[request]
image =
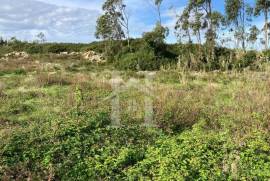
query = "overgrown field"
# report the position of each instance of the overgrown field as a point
(55, 123)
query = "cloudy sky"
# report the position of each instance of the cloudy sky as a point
(74, 20)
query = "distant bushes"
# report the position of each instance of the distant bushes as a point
(149, 53)
(35, 49)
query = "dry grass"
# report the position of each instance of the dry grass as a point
(53, 78)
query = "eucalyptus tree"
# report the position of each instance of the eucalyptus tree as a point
(263, 7)
(210, 20)
(197, 24)
(183, 25)
(239, 14)
(253, 34)
(41, 37)
(111, 25)
(157, 4)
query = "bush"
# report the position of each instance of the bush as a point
(57, 48)
(246, 60)
(35, 49)
(141, 60)
(204, 155)
(266, 54)
(84, 149)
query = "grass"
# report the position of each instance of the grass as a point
(47, 132)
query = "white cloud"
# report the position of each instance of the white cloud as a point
(24, 18)
(73, 22)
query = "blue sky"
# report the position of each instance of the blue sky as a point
(74, 20)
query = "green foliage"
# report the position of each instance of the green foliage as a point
(35, 49)
(84, 149)
(197, 155)
(246, 60)
(140, 60)
(266, 54)
(156, 39)
(109, 25)
(58, 48)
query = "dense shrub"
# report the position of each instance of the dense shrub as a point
(57, 48)
(35, 49)
(201, 155)
(266, 54)
(88, 149)
(246, 60)
(141, 60)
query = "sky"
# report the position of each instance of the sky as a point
(75, 20)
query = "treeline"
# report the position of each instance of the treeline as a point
(198, 26)
(14, 44)
(150, 53)
(203, 35)
(198, 23)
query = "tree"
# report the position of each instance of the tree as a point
(158, 7)
(183, 25)
(203, 9)
(263, 6)
(111, 24)
(253, 34)
(108, 25)
(41, 37)
(198, 24)
(125, 20)
(210, 20)
(2, 41)
(239, 13)
(156, 38)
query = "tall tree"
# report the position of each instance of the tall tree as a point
(197, 24)
(124, 20)
(239, 13)
(211, 22)
(110, 25)
(41, 37)
(253, 35)
(183, 25)
(157, 4)
(204, 7)
(263, 6)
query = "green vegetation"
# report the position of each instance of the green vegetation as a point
(56, 123)
(193, 110)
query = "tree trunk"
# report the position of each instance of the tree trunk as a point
(243, 27)
(212, 39)
(266, 28)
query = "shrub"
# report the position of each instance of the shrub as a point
(58, 48)
(199, 154)
(266, 55)
(246, 60)
(88, 149)
(141, 60)
(191, 155)
(35, 49)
